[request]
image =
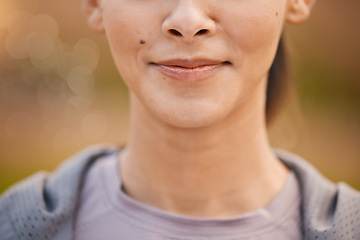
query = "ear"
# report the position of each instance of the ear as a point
(299, 10)
(93, 12)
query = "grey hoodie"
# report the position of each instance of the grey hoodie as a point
(44, 206)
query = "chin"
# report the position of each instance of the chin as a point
(191, 116)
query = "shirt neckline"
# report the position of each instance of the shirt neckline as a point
(153, 219)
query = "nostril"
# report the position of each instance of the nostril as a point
(175, 32)
(202, 31)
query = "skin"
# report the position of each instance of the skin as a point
(198, 148)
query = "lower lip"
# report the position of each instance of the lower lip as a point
(189, 74)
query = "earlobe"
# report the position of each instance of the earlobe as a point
(299, 10)
(93, 13)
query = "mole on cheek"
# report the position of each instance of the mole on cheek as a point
(277, 13)
(142, 41)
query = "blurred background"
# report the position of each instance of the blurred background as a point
(60, 91)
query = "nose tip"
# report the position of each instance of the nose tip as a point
(188, 22)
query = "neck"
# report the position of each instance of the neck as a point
(214, 172)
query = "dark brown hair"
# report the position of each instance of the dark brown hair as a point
(277, 82)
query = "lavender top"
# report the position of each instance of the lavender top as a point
(106, 212)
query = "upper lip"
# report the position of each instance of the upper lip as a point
(189, 62)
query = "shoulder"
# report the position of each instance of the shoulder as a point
(43, 205)
(329, 210)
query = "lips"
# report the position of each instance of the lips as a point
(189, 70)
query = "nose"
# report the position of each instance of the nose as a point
(188, 21)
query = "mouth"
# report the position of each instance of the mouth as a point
(189, 70)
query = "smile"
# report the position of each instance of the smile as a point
(189, 70)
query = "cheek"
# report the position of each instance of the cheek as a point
(253, 36)
(124, 33)
(255, 30)
(128, 32)
(121, 34)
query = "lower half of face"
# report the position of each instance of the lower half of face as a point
(194, 80)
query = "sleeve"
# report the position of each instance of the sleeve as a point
(7, 231)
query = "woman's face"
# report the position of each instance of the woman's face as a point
(192, 63)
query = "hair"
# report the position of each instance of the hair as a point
(278, 81)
